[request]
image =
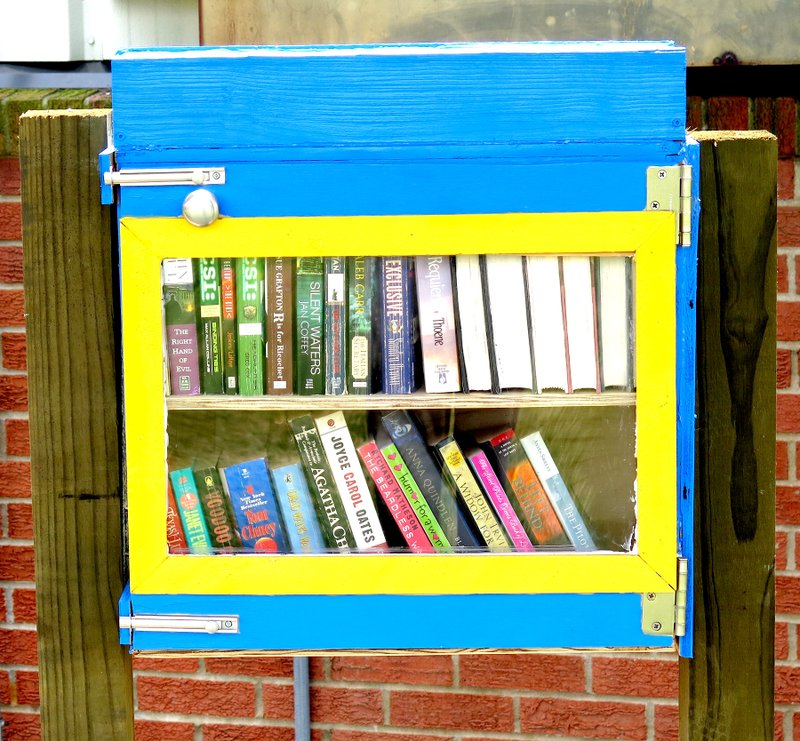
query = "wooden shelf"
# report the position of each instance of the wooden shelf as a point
(420, 400)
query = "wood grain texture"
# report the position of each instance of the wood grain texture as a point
(727, 690)
(85, 676)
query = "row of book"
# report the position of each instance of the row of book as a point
(394, 491)
(362, 325)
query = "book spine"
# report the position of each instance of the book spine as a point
(331, 513)
(297, 509)
(437, 324)
(309, 329)
(335, 326)
(399, 370)
(395, 500)
(527, 494)
(176, 540)
(360, 275)
(353, 489)
(437, 491)
(228, 302)
(216, 509)
(188, 501)
(280, 324)
(180, 319)
(471, 332)
(250, 324)
(254, 506)
(433, 529)
(497, 496)
(472, 496)
(209, 288)
(557, 491)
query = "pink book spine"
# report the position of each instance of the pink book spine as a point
(392, 495)
(497, 495)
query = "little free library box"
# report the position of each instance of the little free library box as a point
(409, 343)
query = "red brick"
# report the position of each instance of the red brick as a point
(788, 413)
(778, 727)
(463, 712)
(781, 541)
(787, 505)
(786, 176)
(542, 672)
(12, 307)
(28, 688)
(15, 350)
(15, 476)
(635, 677)
(214, 732)
(339, 735)
(146, 663)
(16, 563)
(13, 393)
(9, 176)
(781, 460)
(783, 273)
(787, 595)
(728, 112)
(11, 265)
(418, 670)
(786, 126)
(789, 320)
(152, 730)
(318, 668)
(255, 667)
(17, 437)
(21, 727)
(666, 723)
(24, 602)
(278, 701)
(694, 113)
(5, 688)
(796, 730)
(169, 695)
(18, 647)
(20, 520)
(788, 226)
(781, 641)
(3, 609)
(787, 685)
(10, 220)
(351, 706)
(588, 719)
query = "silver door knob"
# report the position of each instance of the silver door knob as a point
(200, 208)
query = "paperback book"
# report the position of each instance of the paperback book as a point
(250, 324)
(400, 329)
(309, 327)
(228, 301)
(363, 352)
(473, 339)
(335, 326)
(216, 510)
(209, 290)
(180, 319)
(297, 509)
(580, 322)
(186, 497)
(615, 321)
(280, 324)
(176, 540)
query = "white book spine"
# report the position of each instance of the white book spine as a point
(614, 321)
(350, 481)
(547, 321)
(579, 304)
(472, 323)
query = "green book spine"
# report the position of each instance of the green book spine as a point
(250, 324)
(209, 289)
(361, 340)
(335, 326)
(217, 510)
(330, 510)
(228, 301)
(309, 326)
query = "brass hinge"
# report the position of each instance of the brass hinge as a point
(670, 189)
(664, 613)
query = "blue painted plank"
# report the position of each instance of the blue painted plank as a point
(447, 96)
(320, 622)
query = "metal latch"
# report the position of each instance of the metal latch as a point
(166, 176)
(670, 189)
(180, 623)
(664, 613)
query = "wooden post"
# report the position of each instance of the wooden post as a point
(85, 675)
(727, 689)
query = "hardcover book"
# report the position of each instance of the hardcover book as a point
(250, 324)
(228, 301)
(186, 497)
(436, 489)
(580, 322)
(525, 491)
(309, 329)
(471, 330)
(615, 320)
(216, 509)
(319, 477)
(335, 326)
(353, 488)
(209, 290)
(280, 324)
(400, 332)
(487, 477)
(297, 509)
(176, 540)
(395, 499)
(254, 506)
(180, 320)
(362, 346)
(437, 328)
(472, 496)
(557, 491)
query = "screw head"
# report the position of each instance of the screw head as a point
(655, 205)
(662, 174)
(656, 626)
(651, 596)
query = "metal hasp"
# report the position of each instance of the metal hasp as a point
(664, 613)
(166, 176)
(210, 624)
(670, 189)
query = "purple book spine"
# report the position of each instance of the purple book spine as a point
(499, 499)
(184, 368)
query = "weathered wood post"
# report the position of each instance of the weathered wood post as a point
(85, 675)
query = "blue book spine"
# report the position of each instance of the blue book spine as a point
(399, 331)
(188, 500)
(297, 509)
(254, 506)
(438, 493)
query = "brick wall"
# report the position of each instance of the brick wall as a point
(438, 698)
